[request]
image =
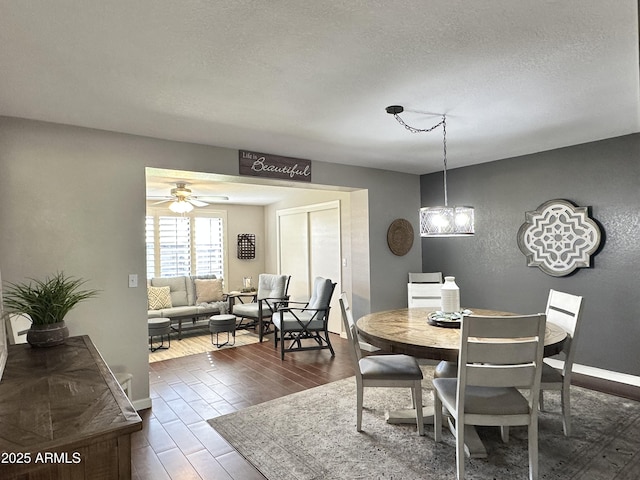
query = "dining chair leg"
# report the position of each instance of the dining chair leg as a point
(417, 400)
(504, 433)
(437, 417)
(533, 449)
(566, 410)
(541, 400)
(459, 450)
(359, 403)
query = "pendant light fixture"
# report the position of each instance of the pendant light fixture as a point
(440, 221)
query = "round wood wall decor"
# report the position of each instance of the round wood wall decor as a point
(400, 237)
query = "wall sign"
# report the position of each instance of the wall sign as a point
(558, 237)
(274, 166)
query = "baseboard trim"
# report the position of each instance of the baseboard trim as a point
(606, 381)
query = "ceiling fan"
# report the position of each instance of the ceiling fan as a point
(182, 201)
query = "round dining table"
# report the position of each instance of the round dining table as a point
(408, 331)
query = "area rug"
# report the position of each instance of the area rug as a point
(195, 342)
(311, 435)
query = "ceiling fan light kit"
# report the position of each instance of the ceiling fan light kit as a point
(440, 221)
(180, 206)
(183, 202)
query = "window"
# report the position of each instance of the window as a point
(208, 246)
(185, 245)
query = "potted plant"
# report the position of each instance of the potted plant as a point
(46, 302)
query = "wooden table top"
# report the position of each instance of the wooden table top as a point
(60, 396)
(407, 331)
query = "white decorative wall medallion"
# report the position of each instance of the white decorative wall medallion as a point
(558, 237)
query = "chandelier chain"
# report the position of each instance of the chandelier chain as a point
(440, 221)
(444, 154)
(443, 122)
(417, 130)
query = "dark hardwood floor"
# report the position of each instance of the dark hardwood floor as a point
(176, 441)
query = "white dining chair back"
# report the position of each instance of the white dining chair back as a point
(18, 324)
(350, 329)
(425, 277)
(424, 290)
(398, 371)
(498, 357)
(564, 310)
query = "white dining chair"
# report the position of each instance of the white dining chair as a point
(565, 310)
(498, 356)
(18, 325)
(424, 290)
(398, 371)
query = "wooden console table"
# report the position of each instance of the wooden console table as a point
(63, 415)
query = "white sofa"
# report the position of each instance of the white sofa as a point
(185, 306)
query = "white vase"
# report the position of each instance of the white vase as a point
(450, 295)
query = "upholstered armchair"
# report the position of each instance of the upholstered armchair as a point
(272, 293)
(305, 326)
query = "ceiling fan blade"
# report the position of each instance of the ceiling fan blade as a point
(197, 203)
(213, 198)
(161, 201)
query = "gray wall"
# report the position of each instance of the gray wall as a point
(73, 199)
(491, 271)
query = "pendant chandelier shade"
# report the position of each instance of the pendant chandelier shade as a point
(446, 221)
(440, 221)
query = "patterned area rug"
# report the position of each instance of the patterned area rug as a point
(311, 435)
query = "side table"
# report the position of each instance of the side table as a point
(161, 327)
(220, 324)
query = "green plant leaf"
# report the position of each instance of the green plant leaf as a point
(46, 301)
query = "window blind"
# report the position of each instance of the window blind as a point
(184, 245)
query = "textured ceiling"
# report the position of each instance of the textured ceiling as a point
(312, 79)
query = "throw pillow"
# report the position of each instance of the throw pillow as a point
(159, 297)
(208, 290)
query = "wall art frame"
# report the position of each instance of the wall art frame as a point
(400, 237)
(246, 246)
(559, 237)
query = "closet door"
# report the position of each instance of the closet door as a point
(309, 247)
(293, 251)
(324, 256)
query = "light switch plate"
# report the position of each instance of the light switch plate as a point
(133, 280)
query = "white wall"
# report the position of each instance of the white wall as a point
(73, 199)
